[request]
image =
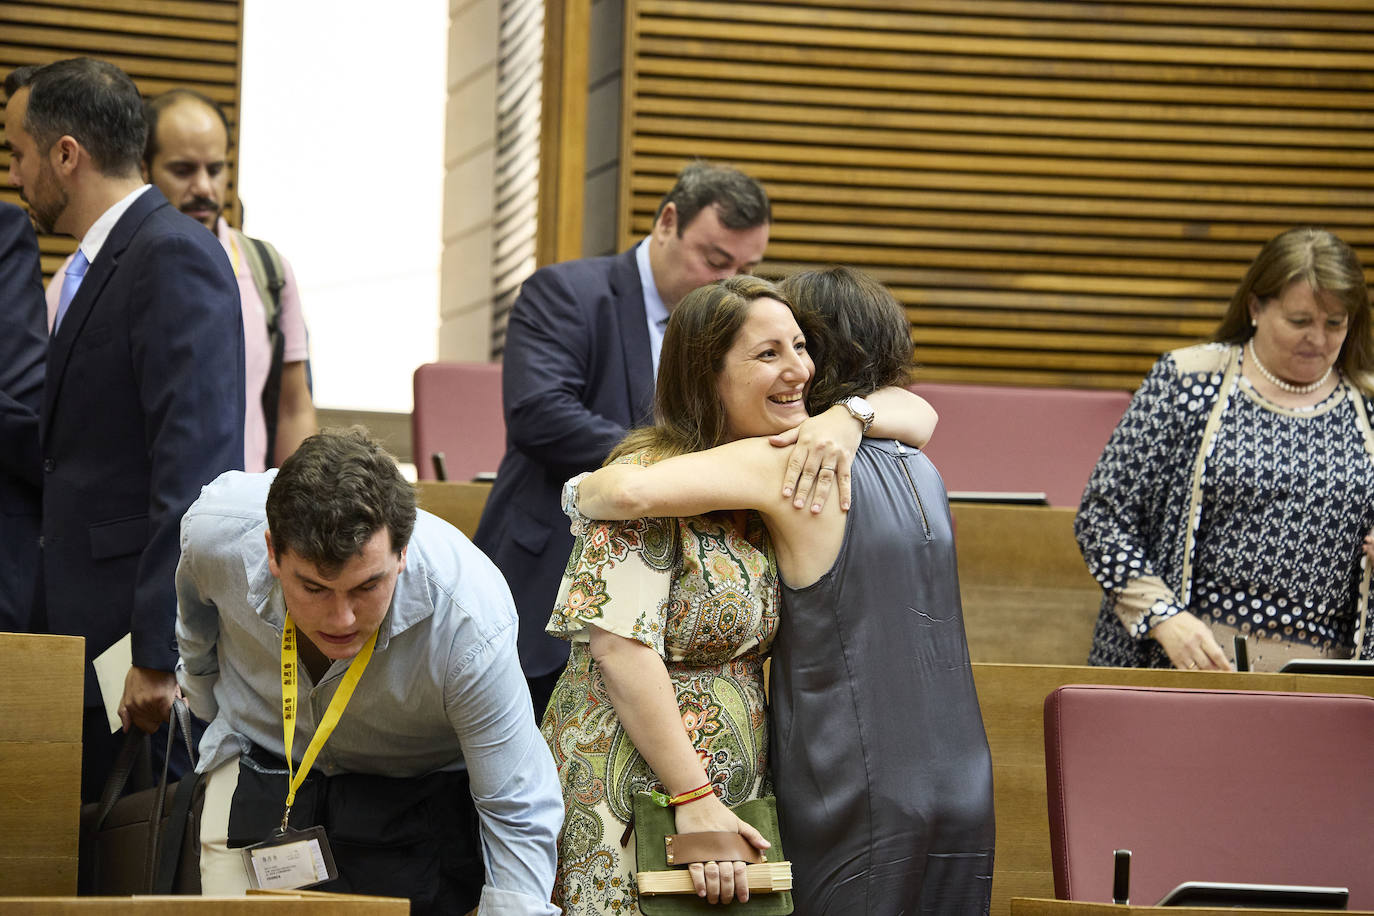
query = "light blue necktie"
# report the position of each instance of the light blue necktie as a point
(76, 271)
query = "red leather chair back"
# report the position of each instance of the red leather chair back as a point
(1209, 785)
(458, 412)
(1001, 438)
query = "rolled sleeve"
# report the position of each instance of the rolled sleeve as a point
(513, 780)
(197, 632)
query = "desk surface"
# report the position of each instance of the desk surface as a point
(1028, 906)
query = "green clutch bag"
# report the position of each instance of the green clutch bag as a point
(660, 884)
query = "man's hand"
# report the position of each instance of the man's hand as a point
(1189, 644)
(147, 700)
(823, 450)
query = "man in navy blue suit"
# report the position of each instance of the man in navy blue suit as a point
(144, 396)
(23, 346)
(579, 366)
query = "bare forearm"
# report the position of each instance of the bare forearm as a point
(643, 696)
(902, 415)
(295, 413)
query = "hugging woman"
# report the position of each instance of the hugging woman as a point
(882, 771)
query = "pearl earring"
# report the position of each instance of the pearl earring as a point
(1254, 323)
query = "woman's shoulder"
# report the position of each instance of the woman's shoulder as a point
(1199, 359)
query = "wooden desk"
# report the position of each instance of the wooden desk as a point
(1025, 906)
(1027, 595)
(1012, 698)
(298, 903)
(459, 504)
(41, 682)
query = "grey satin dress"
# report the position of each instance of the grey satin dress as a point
(880, 761)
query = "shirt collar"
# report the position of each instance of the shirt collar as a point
(655, 312)
(100, 230)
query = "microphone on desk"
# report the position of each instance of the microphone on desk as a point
(1121, 876)
(1242, 653)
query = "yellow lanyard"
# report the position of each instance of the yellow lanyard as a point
(234, 251)
(332, 714)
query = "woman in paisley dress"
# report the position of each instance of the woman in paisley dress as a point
(881, 765)
(670, 618)
(1233, 496)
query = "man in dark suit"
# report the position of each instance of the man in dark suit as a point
(23, 346)
(581, 355)
(144, 396)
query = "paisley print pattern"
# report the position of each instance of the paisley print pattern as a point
(1277, 499)
(703, 593)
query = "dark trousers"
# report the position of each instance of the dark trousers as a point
(395, 837)
(541, 689)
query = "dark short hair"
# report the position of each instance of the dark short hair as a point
(688, 413)
(740, 201)
(333, 494)
(18, 78)
(92, 101)
(856, 331)
(1330, 267)
(154, 108)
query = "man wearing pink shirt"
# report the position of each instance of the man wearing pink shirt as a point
(187, 159)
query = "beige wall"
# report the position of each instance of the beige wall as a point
(465, 287)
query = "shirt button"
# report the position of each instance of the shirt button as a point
(49, 465)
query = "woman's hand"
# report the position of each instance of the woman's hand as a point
(1369, 546)
(718, 882)
(823, 450)
(1189, 644)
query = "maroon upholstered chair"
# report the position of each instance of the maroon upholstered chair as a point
(457, 412)
(1235, 786)
(1039, 440)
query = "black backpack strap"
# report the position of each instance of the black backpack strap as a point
(269, 276)
(165, 848)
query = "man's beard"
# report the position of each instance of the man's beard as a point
(44, 215)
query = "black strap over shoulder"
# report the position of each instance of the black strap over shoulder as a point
(269, 276)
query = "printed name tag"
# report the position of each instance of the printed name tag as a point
(290, 861)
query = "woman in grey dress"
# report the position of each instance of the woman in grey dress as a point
(880, 762)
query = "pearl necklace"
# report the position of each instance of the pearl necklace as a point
(1282, 385)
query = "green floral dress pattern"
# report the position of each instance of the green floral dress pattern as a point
(703, 593)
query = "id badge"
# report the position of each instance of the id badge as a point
(290, 860)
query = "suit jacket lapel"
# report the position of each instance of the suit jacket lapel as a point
(628, 295)
(97, 276)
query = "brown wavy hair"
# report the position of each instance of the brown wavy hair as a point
(688, 413)
(856, 331)
(1331, 268)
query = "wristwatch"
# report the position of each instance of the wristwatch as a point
(579, 522)
(859, 409)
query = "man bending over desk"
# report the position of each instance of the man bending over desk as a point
(295, 587)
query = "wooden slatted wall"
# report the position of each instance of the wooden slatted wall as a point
(161, 44)
(1059, 191)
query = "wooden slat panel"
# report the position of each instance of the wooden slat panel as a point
(40, 762)
(161, 44)
(1057, 191)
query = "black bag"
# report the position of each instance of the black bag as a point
(146, 842)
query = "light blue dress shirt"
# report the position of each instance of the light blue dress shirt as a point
(443, 691)
(655, 312)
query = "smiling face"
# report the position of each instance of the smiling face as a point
(1299, 333)
(683, 258)
(338, 613)
(762, 384)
